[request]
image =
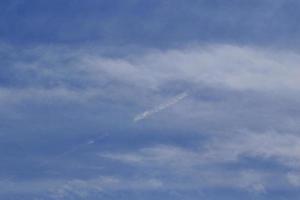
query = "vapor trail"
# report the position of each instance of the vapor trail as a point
(161, 107)
(74, 149)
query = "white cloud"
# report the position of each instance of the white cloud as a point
(262, 82)
(139, 78)
(256, 89)
(142, 79)
(203, 166)
(235, 67)
(281, 147)
(294, 178)
(84, 188)
(164, 156)
(80, 188)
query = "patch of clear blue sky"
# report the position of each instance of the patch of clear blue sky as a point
(152, 23)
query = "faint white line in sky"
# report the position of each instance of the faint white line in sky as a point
(9, 180)
(74, 149)
(159, 108)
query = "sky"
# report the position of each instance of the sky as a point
(143, 100)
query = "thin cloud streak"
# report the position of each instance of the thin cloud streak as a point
(73, 150)
(159, 108)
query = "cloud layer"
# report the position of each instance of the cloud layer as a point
(237, 128)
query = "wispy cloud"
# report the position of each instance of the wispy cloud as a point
(205, 163)
(219, 66)
(230, 88)
(282, 148)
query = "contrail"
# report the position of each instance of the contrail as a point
(9, 179)
(161, 107)
(72, 150)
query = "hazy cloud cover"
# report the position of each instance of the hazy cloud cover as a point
(215, 83)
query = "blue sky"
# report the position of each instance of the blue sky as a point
(214, 85)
